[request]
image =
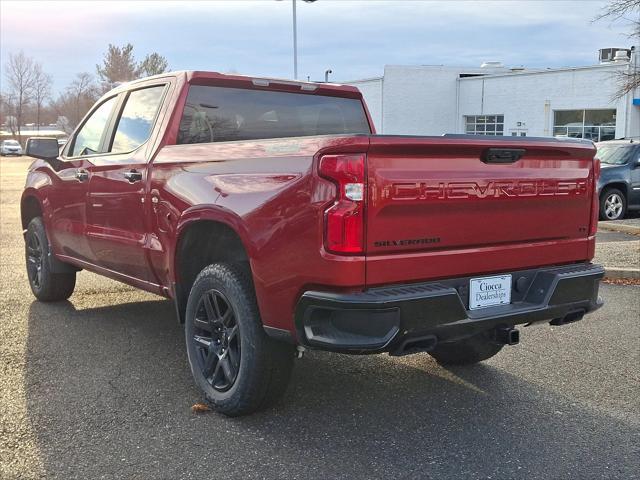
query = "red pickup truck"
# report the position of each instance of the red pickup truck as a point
(277, 220)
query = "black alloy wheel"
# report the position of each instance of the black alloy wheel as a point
(216, 340)
(46, 284)
(35, 259)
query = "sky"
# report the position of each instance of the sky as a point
(355, 39)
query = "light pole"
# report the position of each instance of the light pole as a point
(295, 41)
(295, 38)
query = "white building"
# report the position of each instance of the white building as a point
(494, 100)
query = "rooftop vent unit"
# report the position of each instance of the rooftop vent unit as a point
(491, 64)
(608, 55)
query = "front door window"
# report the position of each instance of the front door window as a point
(88, 140)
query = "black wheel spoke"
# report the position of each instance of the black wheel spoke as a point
(216, 305)
(216, 372)
(203, 324)
(234, 357)
(208, 305)
(227, 369)
(202, 342)
(210, 365)
(227, 317)
(232, 333)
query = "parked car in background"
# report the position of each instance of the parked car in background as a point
(10, 147)
(62, 142)
(619, 183)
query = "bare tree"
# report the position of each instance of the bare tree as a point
(20, 74)
(84, 93)
(41, 90)
(623, 10)
(4, 109)
(627, 12)
(153, 64)
(76, 100)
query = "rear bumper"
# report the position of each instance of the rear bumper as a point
(385, 319)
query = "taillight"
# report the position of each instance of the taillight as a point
(344, 220)
(595, 204)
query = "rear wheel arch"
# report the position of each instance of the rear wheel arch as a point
(30, 208)
(201, 243)
(622, 186)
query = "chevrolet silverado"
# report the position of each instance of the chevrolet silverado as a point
(276, 220)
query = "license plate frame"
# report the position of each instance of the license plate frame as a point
(489, 291)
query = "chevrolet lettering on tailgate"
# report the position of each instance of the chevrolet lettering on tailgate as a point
(492, 189)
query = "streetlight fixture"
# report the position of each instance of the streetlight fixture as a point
(295, 38)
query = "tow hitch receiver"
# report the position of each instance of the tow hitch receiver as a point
(507, 335)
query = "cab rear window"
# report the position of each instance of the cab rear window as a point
(220, 114)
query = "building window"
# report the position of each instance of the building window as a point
(596, 125)
(484, 124)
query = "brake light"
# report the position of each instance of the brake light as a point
(344, 220)
(595, 204)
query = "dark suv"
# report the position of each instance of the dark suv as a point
(619, 183)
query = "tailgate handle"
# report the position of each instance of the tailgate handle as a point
(502, 155)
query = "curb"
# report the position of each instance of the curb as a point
(611, 227)
(622, 273)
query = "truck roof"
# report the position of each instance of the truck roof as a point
(199, 77)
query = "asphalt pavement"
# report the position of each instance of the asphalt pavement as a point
(609, 236)
(99, 387)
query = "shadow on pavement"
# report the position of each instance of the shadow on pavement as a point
(109, 394)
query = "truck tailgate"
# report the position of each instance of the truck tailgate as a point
(440, 206)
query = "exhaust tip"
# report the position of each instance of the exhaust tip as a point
(568, 318)
(416, 345)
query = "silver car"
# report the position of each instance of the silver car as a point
(10, 147)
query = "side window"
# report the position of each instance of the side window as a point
(134, 125)
(88, 139)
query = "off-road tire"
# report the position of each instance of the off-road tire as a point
(264, 366)
(45, 285)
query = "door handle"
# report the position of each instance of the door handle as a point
(133, 176)
(82, 175)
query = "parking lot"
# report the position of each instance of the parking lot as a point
(99, 387)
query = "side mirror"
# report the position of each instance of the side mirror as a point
(44, 148)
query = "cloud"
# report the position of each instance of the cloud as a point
(353, 38)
